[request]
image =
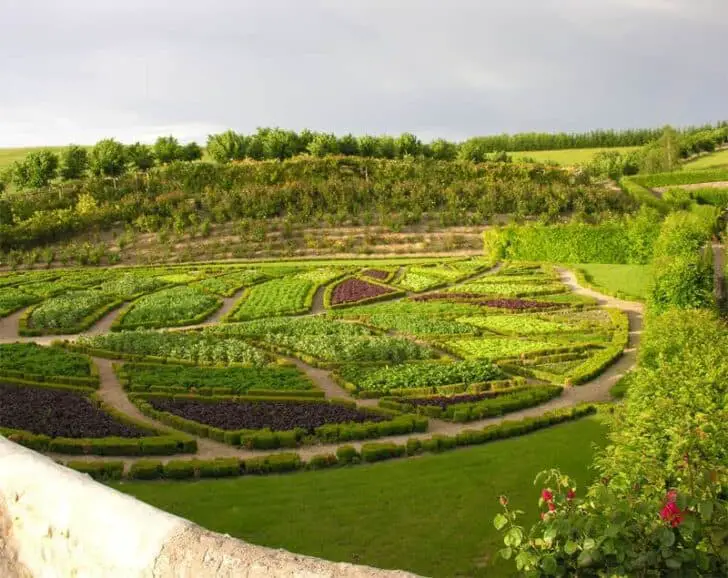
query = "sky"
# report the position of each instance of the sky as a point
(82, 70)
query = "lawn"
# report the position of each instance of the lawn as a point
(432, 515)
(9, 155)
(567, 156)
(628, 281)
(716, 159)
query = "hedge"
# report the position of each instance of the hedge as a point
(345, 455)
(98, 470)
(627, 240)
(266, 439)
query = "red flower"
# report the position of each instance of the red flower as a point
(547, 495)
(671, 512)
(503, 501)
(571, 494)
(552, 506)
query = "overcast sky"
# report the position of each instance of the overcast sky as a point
(81, 70)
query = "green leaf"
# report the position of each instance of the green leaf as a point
(589, 544)
(673, 563)
(667, 538)
(584, 559)
(550, 534)
(500, 522)
(549, 565)
(570, 547)
(706, 510)
(513, 537)
(506, 553)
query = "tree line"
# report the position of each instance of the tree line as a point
(111, 158)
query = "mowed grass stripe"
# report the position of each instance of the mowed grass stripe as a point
(432, 515)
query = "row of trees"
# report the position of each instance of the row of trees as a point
(664, 154)
(107, 157)
(275, 143)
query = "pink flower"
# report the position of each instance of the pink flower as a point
(503, 501)
(552, 507)
(571, 494)
(671, 512)
(547, 495)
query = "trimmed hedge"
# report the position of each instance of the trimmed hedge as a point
(628, 240)
(99, 470)
(266, 439)
(345, 455)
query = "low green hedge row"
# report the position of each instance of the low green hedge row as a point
(682, 177)
(345, 455)
(152, 446)
(86, 390)
(27, 331)
(267, 439)
(91, 382)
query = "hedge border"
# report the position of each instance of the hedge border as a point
(344, 455)
(267, 439)
(158, 443)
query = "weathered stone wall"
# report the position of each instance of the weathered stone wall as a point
(57, 522)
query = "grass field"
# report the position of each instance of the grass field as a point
(9, 155)
(629, 281)
(716, 159)
(432, 515)
(567, 156)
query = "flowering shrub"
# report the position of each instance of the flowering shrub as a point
(618, 530)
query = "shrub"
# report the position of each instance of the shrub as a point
(322, 461)
(347, 454)
(99, 470)
(374, 452)
(219, 467)
(146, 470)
(179, 469)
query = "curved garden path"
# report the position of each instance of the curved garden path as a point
(596, 390)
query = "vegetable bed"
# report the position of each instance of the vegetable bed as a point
(170, 307)
(142, 376)
(46, 361)
(58, 413)
(203, 347)
(255, 415)
(353, 290)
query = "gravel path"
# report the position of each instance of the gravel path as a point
(596, 390)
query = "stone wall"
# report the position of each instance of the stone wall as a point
(57, 522)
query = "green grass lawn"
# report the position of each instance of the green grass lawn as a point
(432, 515)
(716, 159)
(9, 155)
(628, 281)
(567, 156)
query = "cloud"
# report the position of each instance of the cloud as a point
(79, 71)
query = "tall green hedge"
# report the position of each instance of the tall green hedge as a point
(627, 240)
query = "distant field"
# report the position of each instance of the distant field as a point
(567, 156)
(562, 157)
(630, 281)
(9, 156)
(717, 159)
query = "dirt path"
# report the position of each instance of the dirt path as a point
(227, 305)
(104, 324)
(112, 392)
(318, 300)
(596, 390)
